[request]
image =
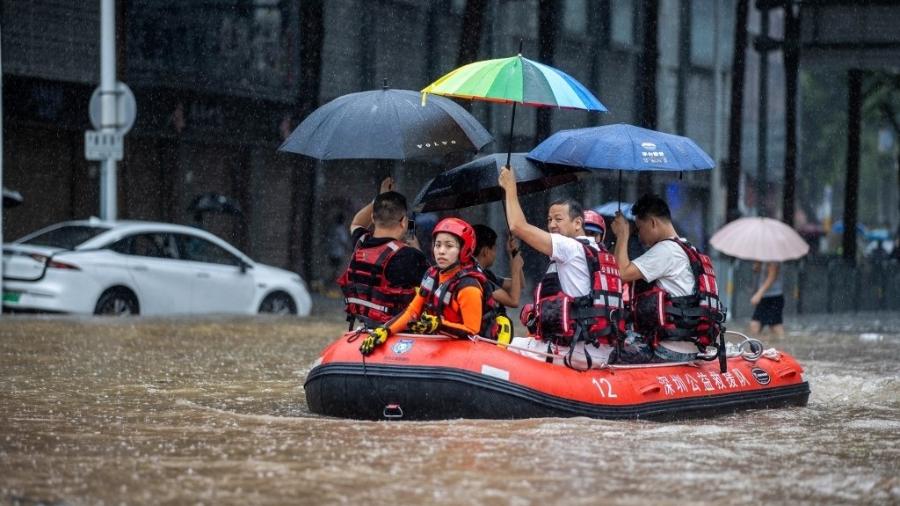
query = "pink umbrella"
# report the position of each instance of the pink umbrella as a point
(761, 239)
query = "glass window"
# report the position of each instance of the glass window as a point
(200, 250)
(703, 31)
(153, 245)
(575, 16)
(622, 12)
(67, 237)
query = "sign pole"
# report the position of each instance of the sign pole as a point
(109, 103)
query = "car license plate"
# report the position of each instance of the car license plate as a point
(11, 296)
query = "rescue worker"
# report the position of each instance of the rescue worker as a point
(595, 225)
(383, 271)
(574, 317)
(452, 298)
(675, 299)
(506, 291)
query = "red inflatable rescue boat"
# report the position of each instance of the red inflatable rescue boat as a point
(430, 378)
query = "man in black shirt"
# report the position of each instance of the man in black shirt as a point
(384, 271)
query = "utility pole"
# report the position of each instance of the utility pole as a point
(762, 127)
(109, 103)
(735, 120)
(1, 169)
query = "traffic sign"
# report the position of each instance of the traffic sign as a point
(103, 145)
(126, 109)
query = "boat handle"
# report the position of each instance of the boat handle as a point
(650, 389)
(392, 411)
(785, 373)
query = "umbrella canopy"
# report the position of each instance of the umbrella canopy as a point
(622, 147)
(386, 124)
(515, 80)
(475, 182)
(11, 198)
(610, 208)
(761, 239)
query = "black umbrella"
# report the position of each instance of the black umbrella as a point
(475, 182)
(213, 203)
(386, 124)
(11, 198)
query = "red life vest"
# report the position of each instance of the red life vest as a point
(696, 318)
(594, 318)
(367, 293)
(439, 295)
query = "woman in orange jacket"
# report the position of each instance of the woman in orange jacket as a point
(451, 298)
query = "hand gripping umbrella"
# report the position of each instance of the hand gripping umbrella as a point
(476, 183)
(386, 124)
(622, 147)
(515, 80)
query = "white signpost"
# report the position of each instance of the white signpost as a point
(112, 110)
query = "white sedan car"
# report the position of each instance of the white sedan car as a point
(147, 268)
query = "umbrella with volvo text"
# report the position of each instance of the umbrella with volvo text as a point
(386, 124)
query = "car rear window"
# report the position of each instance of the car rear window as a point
(67, 237)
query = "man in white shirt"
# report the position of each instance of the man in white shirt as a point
(564, 242)
(665, 264)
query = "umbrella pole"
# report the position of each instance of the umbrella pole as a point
(619, 196)
(512, 124)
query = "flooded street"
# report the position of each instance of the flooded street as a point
(212, 411)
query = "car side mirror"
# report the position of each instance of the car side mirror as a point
(245, 266)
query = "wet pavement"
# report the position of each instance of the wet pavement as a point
(212, 411)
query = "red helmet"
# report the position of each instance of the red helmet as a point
(594, 222)
(463, 231)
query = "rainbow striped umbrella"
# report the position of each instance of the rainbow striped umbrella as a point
(515, 80)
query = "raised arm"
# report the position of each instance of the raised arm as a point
(363, 217)
(627, 270)
(533, 236)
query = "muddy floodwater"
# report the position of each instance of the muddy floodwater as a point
(212, 411)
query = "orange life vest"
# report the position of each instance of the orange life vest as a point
(367, 293)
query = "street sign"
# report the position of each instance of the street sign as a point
(103, 145)
(126, 109)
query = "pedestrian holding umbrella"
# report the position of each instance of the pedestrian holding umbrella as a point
(766, 240)
(515, 80)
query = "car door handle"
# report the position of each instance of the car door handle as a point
(202, 274)
(141, 268)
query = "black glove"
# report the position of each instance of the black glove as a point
(376, 337)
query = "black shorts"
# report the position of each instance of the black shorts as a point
(770, 310)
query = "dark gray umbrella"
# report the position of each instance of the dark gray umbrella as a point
(476, 183)
(386, 124)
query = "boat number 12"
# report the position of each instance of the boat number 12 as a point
(604, 387)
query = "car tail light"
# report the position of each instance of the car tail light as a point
(56, 264)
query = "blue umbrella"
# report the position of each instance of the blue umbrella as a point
(622, 147)
(610, 208)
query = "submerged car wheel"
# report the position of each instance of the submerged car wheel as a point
(117, 302)
(278, 303)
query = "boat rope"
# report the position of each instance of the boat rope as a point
(750, 349)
